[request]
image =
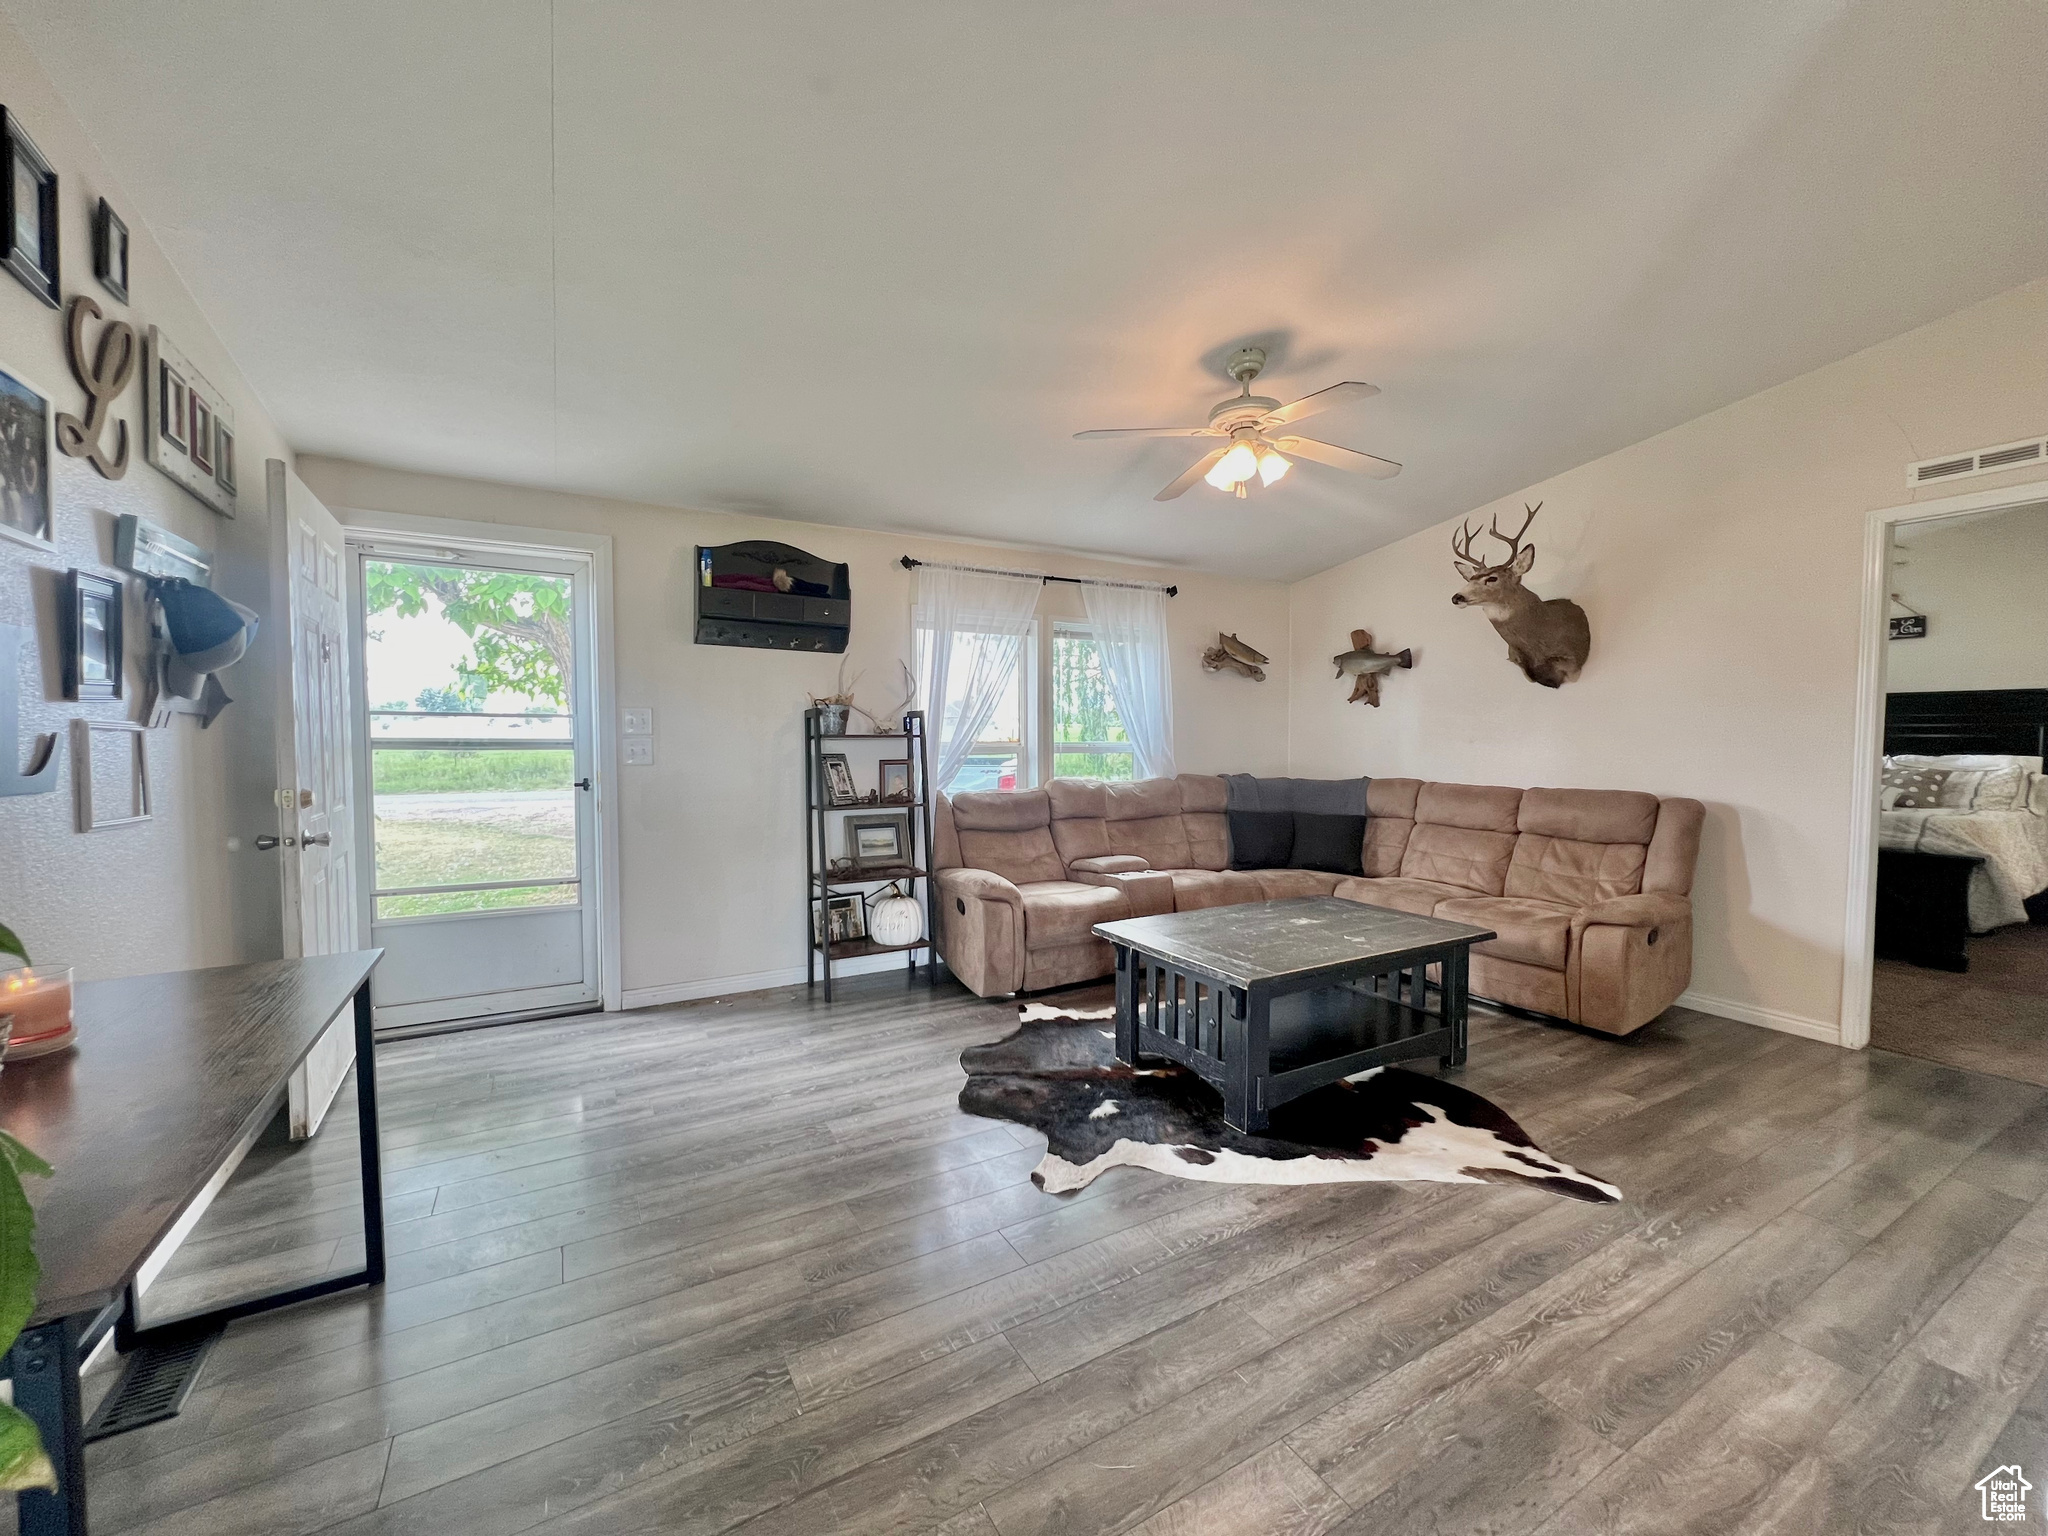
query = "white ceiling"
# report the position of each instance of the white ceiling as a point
(873, 264)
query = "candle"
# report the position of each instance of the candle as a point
(39, 997)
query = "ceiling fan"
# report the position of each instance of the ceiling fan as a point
(1247, 421)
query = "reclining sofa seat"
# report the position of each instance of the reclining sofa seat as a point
(1587, 889)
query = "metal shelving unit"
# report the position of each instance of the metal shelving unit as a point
(819, 880)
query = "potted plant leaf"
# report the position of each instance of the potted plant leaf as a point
(23, 1462)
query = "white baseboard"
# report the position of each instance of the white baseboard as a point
(748, 981)
(1767, 1018)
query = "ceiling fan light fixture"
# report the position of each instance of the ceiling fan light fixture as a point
(1234, 468)
(1272, 467)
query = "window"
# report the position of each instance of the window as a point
(1003, 756)
(1088, 740)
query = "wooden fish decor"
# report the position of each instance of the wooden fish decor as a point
(1365, 666)
(1231, 652)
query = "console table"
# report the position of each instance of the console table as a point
(171, 1074)
(1270, 1000)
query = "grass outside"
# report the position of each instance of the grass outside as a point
(399, 771)
(452, 853)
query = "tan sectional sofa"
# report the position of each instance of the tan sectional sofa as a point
(1588, 889)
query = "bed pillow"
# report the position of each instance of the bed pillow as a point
(1914, 789)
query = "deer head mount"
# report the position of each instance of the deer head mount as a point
(1548, 638)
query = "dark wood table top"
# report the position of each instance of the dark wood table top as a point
(1262, 941)
(170, 1071)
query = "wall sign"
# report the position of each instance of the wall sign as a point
(1912, 626)
(41, 775)
(103, 376)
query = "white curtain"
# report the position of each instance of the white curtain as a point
(969, 628)
(1130, 631)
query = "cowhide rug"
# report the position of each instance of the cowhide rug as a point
(1059, 1074)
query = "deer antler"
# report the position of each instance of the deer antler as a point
(1515, 544)
(1464, 552)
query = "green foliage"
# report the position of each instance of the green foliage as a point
(10, 945)
(396, 771)
(1083, 709)
(23, 1463)
(466, 697)
(517, 622)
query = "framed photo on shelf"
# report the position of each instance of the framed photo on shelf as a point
(28, 211)
(839, 788)
(28, 449)
(896, 781)
(92, 637)
(878, 842)
(839, 918)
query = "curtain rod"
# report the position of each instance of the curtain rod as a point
(910, 564)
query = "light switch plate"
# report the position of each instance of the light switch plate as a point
(639, 751)
(639, 722)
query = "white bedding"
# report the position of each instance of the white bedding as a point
(2013, 845)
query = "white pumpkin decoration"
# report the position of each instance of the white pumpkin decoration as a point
(895, 918)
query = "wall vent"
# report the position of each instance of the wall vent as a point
(1986, 461)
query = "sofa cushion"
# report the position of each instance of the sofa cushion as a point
(1079, 809)
(1019, 857)
(1065, 911)
(1589, 815)
(1144, 818)
(1390, 807)
(1194, 889)
(1562, 869)
(1475, 862)
(1261, 839)
(1203, 798)
(1532, 932)
(1001, 810)
(1280, 884)
(1418, 896)
(1328, 843)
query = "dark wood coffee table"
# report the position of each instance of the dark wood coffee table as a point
(1272, 999)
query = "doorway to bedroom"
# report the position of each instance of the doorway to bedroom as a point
(1960, 974)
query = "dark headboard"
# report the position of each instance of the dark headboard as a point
(1968, 720)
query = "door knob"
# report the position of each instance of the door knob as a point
(320, 839)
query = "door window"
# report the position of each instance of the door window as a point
(468, 672)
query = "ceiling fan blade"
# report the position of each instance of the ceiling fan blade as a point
(1338, 458)
(1194, 472)
(1151, 432)
(1321, 400)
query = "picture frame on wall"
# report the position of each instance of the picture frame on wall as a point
(188, 426)
(110, 774)
(28, 211)
(839, 788)
(878, 842)
(92, 636)
(110, 250)
(28, 453)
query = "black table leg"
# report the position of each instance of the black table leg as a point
(44, 1366)
(130, 1334)
(1245, 1065)
(1126, 1006)
(1453, 995)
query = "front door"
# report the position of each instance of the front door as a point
(315, 768)
(477, 730)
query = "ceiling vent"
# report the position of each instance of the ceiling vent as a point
(1986, 461)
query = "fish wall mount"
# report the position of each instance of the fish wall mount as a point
(1366, 666)
(1231, 652)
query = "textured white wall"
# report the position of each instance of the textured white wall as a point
(1983, 584)
(712, 856)
(168, 894)
(1720, 564)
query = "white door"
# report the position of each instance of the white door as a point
(315, 766)
(476, 731)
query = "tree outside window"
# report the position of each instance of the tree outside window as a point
(1088, 738)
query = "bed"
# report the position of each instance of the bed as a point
(1963, 829)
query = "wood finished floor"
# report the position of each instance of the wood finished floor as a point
(744, 1266)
